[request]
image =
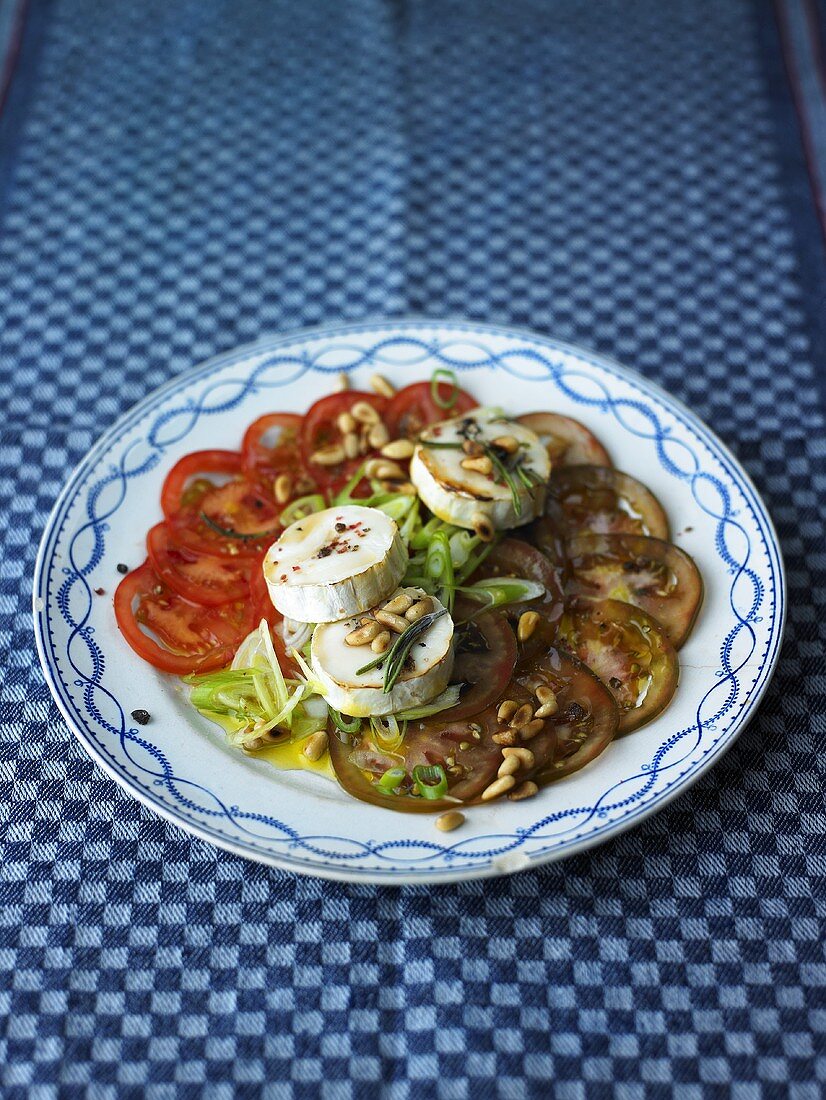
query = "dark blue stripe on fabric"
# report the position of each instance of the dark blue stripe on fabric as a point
(21, 87)
(801, 202)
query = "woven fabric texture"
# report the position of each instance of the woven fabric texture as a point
(176, 179)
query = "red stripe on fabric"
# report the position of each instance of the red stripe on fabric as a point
(792, 73)
(13, 51)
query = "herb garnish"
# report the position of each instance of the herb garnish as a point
(400, 650)
(231, 533)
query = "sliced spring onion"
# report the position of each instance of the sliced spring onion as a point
(391, 780)
(430, 780)
(353, 726)
(345, 496)
(448, 698)
(302, 507)
(450, 378)
(500, 591)
(438, 567)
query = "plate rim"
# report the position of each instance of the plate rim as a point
(494, 866)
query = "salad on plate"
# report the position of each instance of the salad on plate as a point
(433, 603)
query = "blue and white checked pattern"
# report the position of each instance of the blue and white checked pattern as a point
(177, 179)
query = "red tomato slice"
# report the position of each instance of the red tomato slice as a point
(174, 634)
(189, 479)
(203, 578)
(272, 447)
(238, 518)
(413, 408)
(321, 430)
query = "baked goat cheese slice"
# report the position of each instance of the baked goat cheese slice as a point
(424, 675)
(334, 563)
(457, 470)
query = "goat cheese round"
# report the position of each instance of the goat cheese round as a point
(334, 563)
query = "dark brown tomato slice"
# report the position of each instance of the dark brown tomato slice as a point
(649, 573)
(413, 408)
(630, 653)
(359, 763)
(515, 558)
(203, 578)
(485, 657)
(568, 442)
(602, 501)
(584, 723)
(174, 634)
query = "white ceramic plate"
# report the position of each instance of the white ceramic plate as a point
(180, 765)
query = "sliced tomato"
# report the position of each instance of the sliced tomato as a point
(630, 653)
(516, 558)
(586, 718)
(271, 447)
(237, 519)
(413, 408)
(203, 578)
(485, 659)
(649, 573)
(196, 474)
(174, 634)
(601, 501)
(568, 442)
(320, 429)
(360, 762)
(584, 724)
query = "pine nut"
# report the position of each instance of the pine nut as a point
(383, 468)
(528, 622)
(399, 604)
(508, 766)
(378, 435)
(497, 787)
(546, 710)
(351, 445)
(389, 470)
(364, 413)
(472, 448)
(482, 526)
(522, 717)
(283, 488)
(362, 634)
(449, 821)
(345, 423)
(507, 709)
(328, 456)
(406, 487)
(381, 642)
(481, 465)
(398, 448)
(395, 622)
(420, 608)
(524, 756)
(545, 694)
(532, 729)
(507, 443)
(316, 746)
(526, 790)
(382, 386)
(343, 381)
(506, 737)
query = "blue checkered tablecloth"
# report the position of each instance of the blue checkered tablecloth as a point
(178, 178)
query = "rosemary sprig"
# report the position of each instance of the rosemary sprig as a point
(397, 654)
(231, 533)
(506, 475)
